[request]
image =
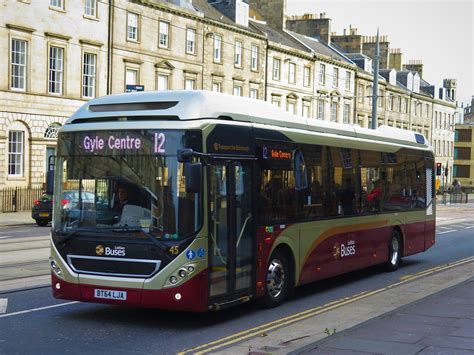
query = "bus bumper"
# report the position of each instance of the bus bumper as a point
(190, 296)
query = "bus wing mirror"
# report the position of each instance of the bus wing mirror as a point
(185, 155)
(50, 182)
(50, 175)
(193, 172)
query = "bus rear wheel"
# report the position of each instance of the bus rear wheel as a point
(278, 278)
(394, 252)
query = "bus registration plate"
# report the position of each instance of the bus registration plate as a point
(110, 295)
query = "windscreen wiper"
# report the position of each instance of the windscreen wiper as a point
(139, 229)
(62, 237)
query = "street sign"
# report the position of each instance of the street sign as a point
(438, 184)
(134, 88)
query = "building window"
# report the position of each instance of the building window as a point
(381, 98)
(18, 63)
(306, 109)
(276, 68)
(291, 107)
(90, 8)
(360, 94)
(56, 56)
(348, 80)
(322, 74)
(276, 101)
(15, 153)
(162, 82)
(56, 3)
(131, 77)
(291, 73)
(254, 58)
(335, 78)
(190, 84)
(306, 76)
(321, 105)
(399, 102)
(164, 34)
(390, 102)
(254, 93)
(217, 48)
(52, 131)
(217, 87)
(406, 105)
(191, 41)
(334, 111)
(237, 90)
(132, 26)
(238, 54)
(369, 95)
(88, 75)
(347, 110)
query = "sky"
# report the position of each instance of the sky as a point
(440, 33)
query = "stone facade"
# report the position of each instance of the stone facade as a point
(172, 45)
(442, 139)
(31, 106)
(464, 155)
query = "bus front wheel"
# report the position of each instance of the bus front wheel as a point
(394, 252)
(277, 280)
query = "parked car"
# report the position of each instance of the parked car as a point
(42, 210)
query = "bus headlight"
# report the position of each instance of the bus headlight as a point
(173, 280)
(182, 273)
(55, 268)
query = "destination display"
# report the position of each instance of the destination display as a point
(99, 142)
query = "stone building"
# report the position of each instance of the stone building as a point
(331, 87)
(464, 155)
(50, 67)
(468, 113)
(166, 46)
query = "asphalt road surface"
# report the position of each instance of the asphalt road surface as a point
(35, 322)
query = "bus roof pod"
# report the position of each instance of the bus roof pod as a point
(200, 104)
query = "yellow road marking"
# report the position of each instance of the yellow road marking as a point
(249, 333)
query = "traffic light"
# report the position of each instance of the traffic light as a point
(438, 169)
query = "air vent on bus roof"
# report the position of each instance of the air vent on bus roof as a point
(123, 118)
(133, 106)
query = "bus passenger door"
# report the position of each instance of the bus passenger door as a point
(231, 233)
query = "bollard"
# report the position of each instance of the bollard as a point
(14, 199)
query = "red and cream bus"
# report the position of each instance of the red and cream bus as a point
(228, 199)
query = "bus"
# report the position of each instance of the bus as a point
(227, 200)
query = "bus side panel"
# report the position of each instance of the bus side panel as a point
(430, 233)
(370, 248)
(323, 261)
(414, 238)
(346, 252)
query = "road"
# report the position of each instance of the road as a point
(46, 325)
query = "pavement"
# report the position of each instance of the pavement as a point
(430, 313)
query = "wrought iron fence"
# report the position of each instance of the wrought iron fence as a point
(15, 199)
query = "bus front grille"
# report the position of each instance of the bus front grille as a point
(97, 265)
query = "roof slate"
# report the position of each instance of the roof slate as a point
(320, 47)
(278, 36)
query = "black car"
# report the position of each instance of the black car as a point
(42, 211)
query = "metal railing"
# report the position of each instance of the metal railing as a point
(455, 197)
(15, 199)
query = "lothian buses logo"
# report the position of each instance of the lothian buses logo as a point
(99, 250)
(336, 250)
(342, 250)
